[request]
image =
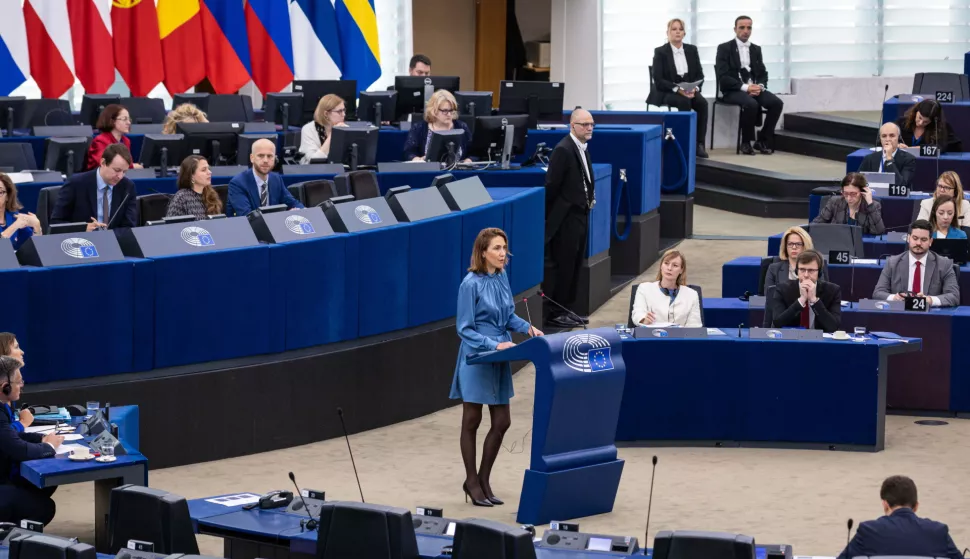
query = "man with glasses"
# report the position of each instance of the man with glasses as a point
(570, 196)
(742, 78)
(107, 187)
(919, 272)
(890, 159)
(258, 187)
(808, 302)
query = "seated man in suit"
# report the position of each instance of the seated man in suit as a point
(900, 532)
(808, 302)
(258, 187)
(919, 271)
(890, 159)
(103, 197)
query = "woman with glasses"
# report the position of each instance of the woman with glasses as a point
(440, 113)
(947, 185)
(315, 135)
(795, 241)
(15, 225)
(114, 122)
(668, 300)
(854, 207)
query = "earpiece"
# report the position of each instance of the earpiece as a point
(6, 389)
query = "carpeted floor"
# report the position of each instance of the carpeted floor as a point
(798, 497)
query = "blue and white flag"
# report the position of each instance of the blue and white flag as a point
(14, 58)
(316, 44)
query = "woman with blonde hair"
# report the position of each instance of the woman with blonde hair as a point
(668, 300)
(795, 241)
(186, 112)
(315, 135)
(947, 185)
(440, 114)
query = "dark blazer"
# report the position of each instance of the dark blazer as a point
(727, 66)
(564, 184)
(78, 201)
(16, 447)
(903, 166)
(950, 143)
(902, 533)
(418, 136)
(869, 216)
(778, 272)
(244, 196)
(786, 311)
(665, 76)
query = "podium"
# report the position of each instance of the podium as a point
(574, 470)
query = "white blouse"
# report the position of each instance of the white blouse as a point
(310, 145)
(685, 310)
(926, 206)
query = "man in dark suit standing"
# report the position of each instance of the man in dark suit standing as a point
(742, 77)
(96, 196)
(890, 159)
(569, 198)
(259, 186)
(808, 302)
(901, 532)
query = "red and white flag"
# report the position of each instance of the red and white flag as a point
(49, 42)
(94, 62)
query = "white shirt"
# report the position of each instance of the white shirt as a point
(926, 206)
(744, 52)
(934, 301)
(684, 311)
(582, 151)
(310, 145)
(680, 61)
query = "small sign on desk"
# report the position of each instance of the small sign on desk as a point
(929, 150)
(944, 96)
(916, 304)
(839, 257)
(899, 190)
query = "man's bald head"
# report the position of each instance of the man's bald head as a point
(580, 115)
(263, 156)
(889, 136)
(263, 144)
(581, 125)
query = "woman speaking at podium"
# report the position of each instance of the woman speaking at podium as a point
(486, 314)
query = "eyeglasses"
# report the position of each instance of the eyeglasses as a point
(123, 119)
(851, 194)
(796, 245)
(447, 111)
(808, 270)
(339, 111)
(585, 124)
(3, 192)
(945, 188)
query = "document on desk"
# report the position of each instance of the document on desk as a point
(660, 325)
(236, 500)
(715, 332)
(67, 448)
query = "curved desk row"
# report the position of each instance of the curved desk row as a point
(873, 246)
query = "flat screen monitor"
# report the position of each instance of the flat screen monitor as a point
(76, 227)
(542, 101)
(444, 146)
(314, 90)
(93, 104)
(489, 138)
(66, 154)
(200, 100)
(162, 150)
(956, 250)
(474, 103)
(411, 91)
(354, 146)
(216, 141)
(285, 109)
(687, 544)
(377, 107)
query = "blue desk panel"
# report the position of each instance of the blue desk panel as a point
(435, 268)
(17, 311)
(897, 213)
(49, 472)
(873, 247)
(383, 283)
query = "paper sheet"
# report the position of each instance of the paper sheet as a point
(715, 332)
(689, 86)
(67, 448)
(235, 500)
(21, 178)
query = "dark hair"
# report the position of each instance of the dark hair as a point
(213, 205)
(8, 365)
(936, 129)
(857, 180)
(419, 58)
(6, 342)
(921, 224)
(809, 255)
(114, 150)
(11, 204)
(484, 238)
(739, 18)
(939, 201)
(899, 491)
(106, 120)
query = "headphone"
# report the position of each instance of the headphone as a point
(7, 366)
(815, 256)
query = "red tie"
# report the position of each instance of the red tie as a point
(804, 321)
(917, 282)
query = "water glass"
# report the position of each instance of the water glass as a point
(108, 452)
(93, 408)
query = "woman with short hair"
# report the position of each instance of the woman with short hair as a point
(440, 114)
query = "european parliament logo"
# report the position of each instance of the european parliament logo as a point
(367, 214)
(299, 225)
(883, 306)
(587, 353)
(660, 333)
(76, 247)
(775, 334)
(197, 237)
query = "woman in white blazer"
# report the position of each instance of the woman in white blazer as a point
(947, 185)
(668, 299)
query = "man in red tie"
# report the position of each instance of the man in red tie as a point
(919, 272)
(808, 302)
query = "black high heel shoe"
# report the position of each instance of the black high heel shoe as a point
(495, 500)
(476, 502)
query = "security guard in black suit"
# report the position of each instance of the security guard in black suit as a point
(19, 499)
(569, 198)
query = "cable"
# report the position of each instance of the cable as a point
(520, 442)
(618, 197)
(682, 178)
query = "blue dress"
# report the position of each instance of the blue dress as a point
(21, 236)
(486, 313)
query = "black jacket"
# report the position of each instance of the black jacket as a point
(902, 533)
(786, 311)
(727, 66)
(869, 216)
(78, 201)
(565, 182)
(665, 76)
(18, 447)
(903, 166)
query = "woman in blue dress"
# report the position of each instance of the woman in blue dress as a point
(16, 225)
(486, 314)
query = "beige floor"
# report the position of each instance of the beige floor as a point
(798, 497)
(781, 162)
(871, 116)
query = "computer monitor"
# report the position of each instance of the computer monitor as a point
(40, 546)
(827, 237)
(162, 150)
(59, 228)
(245, 148)
(93, 104)
(179, 219)
(10, 107)
(377, 106)
(687, 544)
(150, 515)
(957, 250)
(542, 101)
(475, 103)
(314, 90)
(354, 146)
(365, 531)
(285, 109)
(491, 140)
(200, 100)
(216, 141)
(414, 91)
(66, 155)
(444, 146)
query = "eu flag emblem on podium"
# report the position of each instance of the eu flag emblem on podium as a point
(600, 360)
(89, 251)
(306, 227)
(206, 240)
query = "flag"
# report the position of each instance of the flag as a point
(270, 46)
(314, 28)
(359, 49)
(137, 45)
(226, 45)
(49, 46)
(14, 57)
(94, 62)
(180, 27)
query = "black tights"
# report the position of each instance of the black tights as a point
(471, 417)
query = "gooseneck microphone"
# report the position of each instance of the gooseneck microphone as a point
(525, 301)
(646, 532)
(312, 523)
(848, 533)
(573, 315)
(118, 211)
(340, 413)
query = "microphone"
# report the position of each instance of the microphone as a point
(848, 533)
(340, 413)
(646, 532)
(936, 126)
(573, 315)
(153, 191)
(312, 523)
(118, 211)
(745, 297)
(525, 301)
(885, 92)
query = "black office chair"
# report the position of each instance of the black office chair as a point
(223, 191)
(46, 199)
(766, 322)
(719, 100)
(318, 191)
(652, 85)
(296, 190)
(765, 263)
(144, 110)
(152, 207)
(633, 298)
(45, 112)
(360, 184)
(17, 156)
(229, 108)
(915, 211)
(928, 83)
